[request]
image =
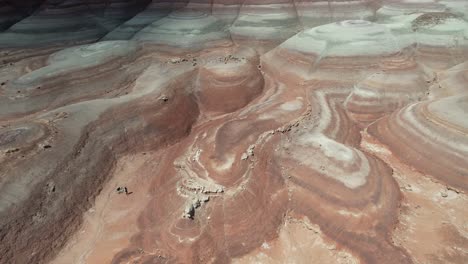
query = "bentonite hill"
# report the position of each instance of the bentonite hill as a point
(234, 131)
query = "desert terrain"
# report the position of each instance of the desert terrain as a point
(234, 131)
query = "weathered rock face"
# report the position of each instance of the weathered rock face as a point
(66, 22)
(267, 22)
(233, 131)
(156, 10)
(441, 125)
(228, 80)
(399, 81)
(315, 13)
(65, 75)
(185, 29)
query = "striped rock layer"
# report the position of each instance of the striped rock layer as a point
(268, 131)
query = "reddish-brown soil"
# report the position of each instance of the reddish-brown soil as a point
(200, 131)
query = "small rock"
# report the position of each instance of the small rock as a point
(244, 156)
(122, 190)
(189, 211)
(175, 60)
(12, 150)
(250, 150)
(453, 190)
(50, 187)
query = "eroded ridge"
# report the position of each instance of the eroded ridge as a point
(240, 131)
(441, 125)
